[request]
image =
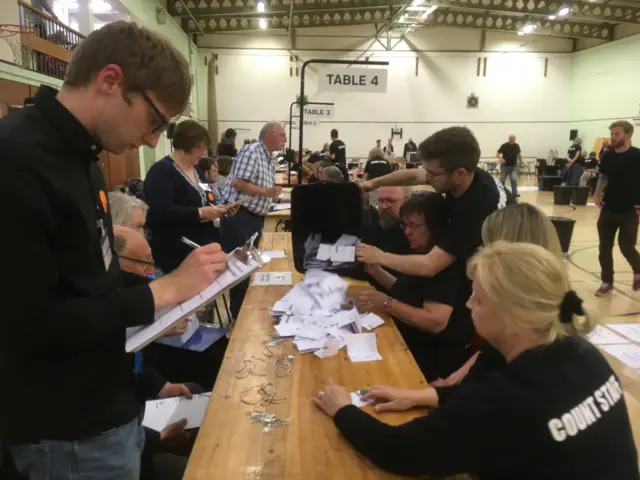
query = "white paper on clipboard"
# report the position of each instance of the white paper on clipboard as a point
(164, 319)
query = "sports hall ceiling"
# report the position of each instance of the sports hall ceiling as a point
(571, 19)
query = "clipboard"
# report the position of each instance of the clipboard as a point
(243, 261)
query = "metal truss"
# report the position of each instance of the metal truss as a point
(491, 21)
(215, 16)
(277, 7)
(578, 10)
(297, 20)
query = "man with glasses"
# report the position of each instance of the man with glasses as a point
(73, 403)
(450, 165)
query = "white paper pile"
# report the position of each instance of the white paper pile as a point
(362, 347)
(312, 313)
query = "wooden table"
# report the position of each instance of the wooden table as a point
(230, 447)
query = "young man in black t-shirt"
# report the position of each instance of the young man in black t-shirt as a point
(573, 171)
(510, 155)
(620, 206)
(450, 165)
(337, 149)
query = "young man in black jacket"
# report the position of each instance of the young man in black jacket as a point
(73, 405)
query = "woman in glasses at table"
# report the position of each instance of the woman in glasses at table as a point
(179, 204)
(430, 312)
(556, 411)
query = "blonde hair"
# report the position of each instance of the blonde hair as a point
(527, 283)
(524, 223)
(121, 205)
(376, 152)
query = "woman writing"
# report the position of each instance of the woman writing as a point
(556, 411)
(178, 205)
(429, 311)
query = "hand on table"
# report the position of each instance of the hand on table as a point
(390, 399)
(372, 300)
(174, 390)
(332, 399)
(368, 253)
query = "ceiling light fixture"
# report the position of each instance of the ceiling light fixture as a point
(417, 3)
(260, 7)
(552, 17)
(263, 23)
(528, 28)
(563, 11)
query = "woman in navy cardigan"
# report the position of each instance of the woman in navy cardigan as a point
(178, 205)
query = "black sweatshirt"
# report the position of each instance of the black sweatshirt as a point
(554, 413)
(62, 348)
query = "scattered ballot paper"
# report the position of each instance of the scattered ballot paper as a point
(272, 278)
(628, 354)
(331, 348)
(603, 336)
(273, 254)
(160, 413)
(370, 321)
(356, 399)
(362, 347)
(629, 330)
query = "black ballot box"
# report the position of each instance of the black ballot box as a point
(328, 209)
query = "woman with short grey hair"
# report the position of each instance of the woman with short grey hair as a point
(127, 211)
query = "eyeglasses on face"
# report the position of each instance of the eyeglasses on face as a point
(148, 263)
(164, 121)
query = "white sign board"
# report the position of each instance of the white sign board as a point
(340, 79)
(316, 112)
(295, 124)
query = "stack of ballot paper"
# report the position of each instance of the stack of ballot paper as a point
(313, 314)
(160, 413)
(328, 256)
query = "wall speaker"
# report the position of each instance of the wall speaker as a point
(573, 134)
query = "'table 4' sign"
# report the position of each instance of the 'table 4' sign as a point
(353, 80)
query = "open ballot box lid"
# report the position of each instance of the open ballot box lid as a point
(328, 209)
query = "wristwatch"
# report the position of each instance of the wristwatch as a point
(387, 303)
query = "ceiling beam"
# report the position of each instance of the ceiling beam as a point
(298, 20)
(578, 10)
(441, 18)
(491, 21)
(175, 8)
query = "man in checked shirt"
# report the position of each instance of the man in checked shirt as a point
(252, 184)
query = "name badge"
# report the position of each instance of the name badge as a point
(105, 245)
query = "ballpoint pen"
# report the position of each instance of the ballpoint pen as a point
(188, 242)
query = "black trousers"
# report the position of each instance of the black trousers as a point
(234, 232)
(608, 224)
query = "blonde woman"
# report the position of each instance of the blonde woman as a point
(377, 165)
(521, 222)
(556, 411)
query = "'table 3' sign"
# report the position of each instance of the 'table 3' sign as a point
(370, 80)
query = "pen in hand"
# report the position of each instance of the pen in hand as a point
(188, 242)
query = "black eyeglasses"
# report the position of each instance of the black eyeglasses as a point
(165, 122)
(143, 262)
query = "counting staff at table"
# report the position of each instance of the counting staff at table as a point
(450, 158)
(178, 204)
(556, 411)
(430, 313)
